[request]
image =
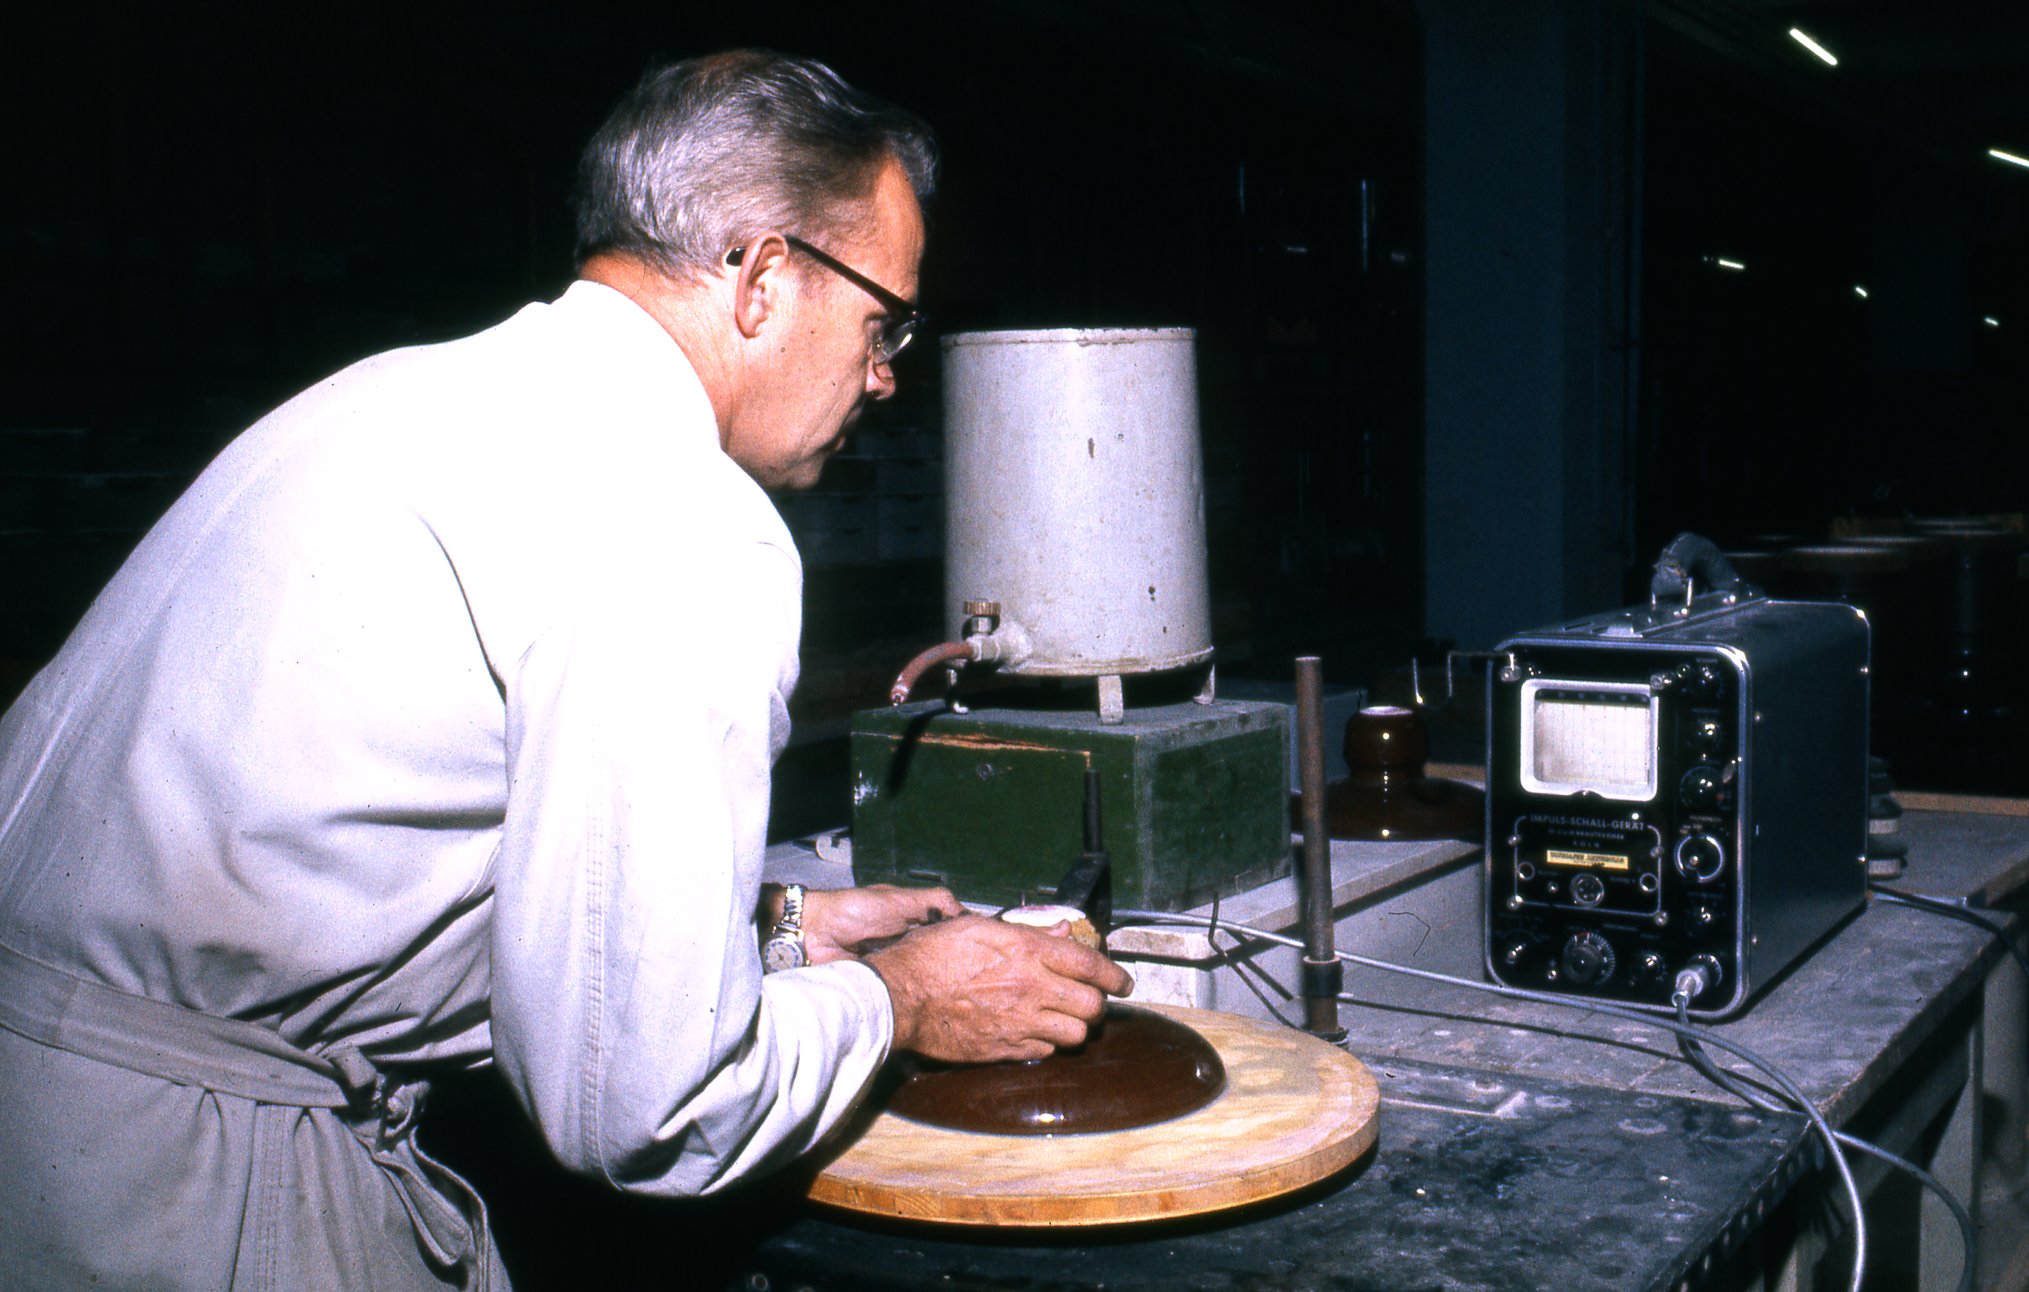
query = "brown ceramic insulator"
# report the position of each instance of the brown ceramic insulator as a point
(1386, 737)
(1386, 794)
(1136, 1069)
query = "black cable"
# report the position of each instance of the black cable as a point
(1788, 1087)
(1782, 1080)
(1240, 966)
(1942, 906)
(1689, 1044)
(1695, 1055)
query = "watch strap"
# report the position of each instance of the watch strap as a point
(784, 947)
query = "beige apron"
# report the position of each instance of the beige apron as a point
(234, 1058)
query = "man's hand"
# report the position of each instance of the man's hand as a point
(977, 990)
(839, 922)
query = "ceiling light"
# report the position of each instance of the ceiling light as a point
(1724, 263)
(1797, 34)
(1859, 291)
(1990, 320)
(1998, 155)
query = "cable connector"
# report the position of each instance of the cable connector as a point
(1694, 980)
(1690, 985)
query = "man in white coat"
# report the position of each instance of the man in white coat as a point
(433, 727)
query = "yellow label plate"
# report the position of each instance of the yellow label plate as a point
(1597, 860)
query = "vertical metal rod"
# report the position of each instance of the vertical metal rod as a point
(1322, 974)
(1099, 905)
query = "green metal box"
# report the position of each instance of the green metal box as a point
(1195, 799)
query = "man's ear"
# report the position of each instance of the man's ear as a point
(761, 271)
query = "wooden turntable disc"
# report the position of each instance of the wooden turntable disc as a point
(1294, 1111)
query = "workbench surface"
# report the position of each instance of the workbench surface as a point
(1840, 1022)
(1477, 1182)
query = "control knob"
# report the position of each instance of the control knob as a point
(1702, 680)
(1705, 735)
(1587, 959)
(1703, 788)
(1519, 950)
(1700, 858)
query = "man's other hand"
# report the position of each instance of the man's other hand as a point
(838, 923)
(978, 990)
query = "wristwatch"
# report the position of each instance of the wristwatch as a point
(784, 947)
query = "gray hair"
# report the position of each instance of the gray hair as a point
(707, 152)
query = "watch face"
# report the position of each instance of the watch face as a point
(781, 953)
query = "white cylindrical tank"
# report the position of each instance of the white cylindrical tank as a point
(1075, 496)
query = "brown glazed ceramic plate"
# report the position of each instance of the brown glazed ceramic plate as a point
(1136, 1069)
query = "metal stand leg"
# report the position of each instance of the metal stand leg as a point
(1112, 701)
(1956, 1164)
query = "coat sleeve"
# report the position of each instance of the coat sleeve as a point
(629, 1010)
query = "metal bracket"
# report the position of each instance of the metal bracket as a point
(1210, 690)
(1690, 595)
(1450, 688)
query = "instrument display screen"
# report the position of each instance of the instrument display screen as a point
(1589, 737)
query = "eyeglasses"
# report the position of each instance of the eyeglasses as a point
(903, 318)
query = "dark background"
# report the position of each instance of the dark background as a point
(1387, 221)
(215, 204)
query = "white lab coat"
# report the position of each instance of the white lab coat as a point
(436, 721)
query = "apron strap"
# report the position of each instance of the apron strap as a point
(159, 1039)
(234, 1057)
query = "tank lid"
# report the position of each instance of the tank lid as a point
(1072, 336)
